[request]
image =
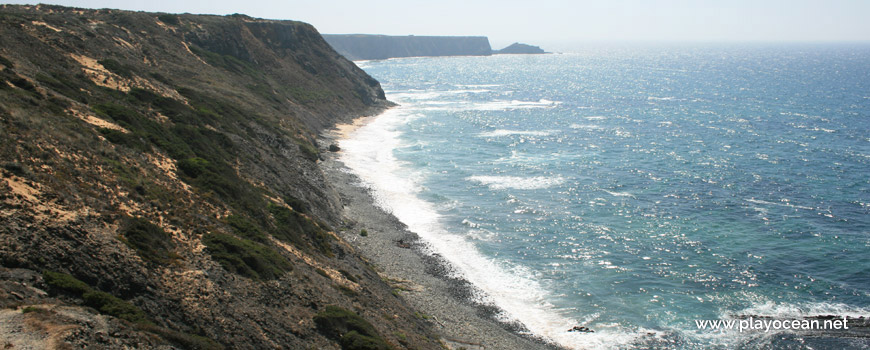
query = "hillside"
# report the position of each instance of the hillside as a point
(376, 47)
(160, 187)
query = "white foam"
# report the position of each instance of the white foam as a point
(517, 182)
(654, 98)
(504, 132)
(784, 203)
(797, 311)
(499, 105)
(763, 307)
(584, 126)
(619, 194)
(368, 152)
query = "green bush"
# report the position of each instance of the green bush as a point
(334, 322)
(246, 257)
(246, 229)
(148, 240)
(309, 151)
(297, 204)
(104, 302)
(169, 19)
(110, 305)
(355, 341)
(117, 67)
(61, 282)
(118, 113)
(35, 309)
(121, 138)
(295, 228)
(193, 167)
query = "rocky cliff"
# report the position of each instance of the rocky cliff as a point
(376, 47)
(159, 185)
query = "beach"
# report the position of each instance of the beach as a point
(419, 277)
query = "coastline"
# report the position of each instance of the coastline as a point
(418, 277)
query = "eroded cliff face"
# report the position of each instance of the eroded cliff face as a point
(377, 47)
(159, 186)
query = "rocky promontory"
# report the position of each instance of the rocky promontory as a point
(518, 48)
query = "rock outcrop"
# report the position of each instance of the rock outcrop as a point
(159, 186)
(518, 48)
(376, 47)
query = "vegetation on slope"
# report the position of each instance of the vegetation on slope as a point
(170, 162)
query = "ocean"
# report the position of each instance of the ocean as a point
(636, 190)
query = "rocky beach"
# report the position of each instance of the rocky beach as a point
(419, 276)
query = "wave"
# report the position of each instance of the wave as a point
(499, 105)
(668, 98)
(368, 153)
(584, 126)
(504, 132)
(798, 311)
(785, 203)
(516, 182)
(619, 194)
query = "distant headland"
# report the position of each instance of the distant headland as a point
(377, 47)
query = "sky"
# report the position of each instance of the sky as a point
(548, 22)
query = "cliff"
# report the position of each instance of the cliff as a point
(518, 48)
(375, 47)
(159, 186)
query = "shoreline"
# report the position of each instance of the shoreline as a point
(420, 278)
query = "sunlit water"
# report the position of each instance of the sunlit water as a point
(635, 190)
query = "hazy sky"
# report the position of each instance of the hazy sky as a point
(549, 22)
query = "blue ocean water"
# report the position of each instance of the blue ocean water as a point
(634, 190)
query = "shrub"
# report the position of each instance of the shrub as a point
(308, 150)
(364, 233)
(35, 309)
(293, 227)
(193, 167)
(149, 240)
(16, 168)
(119, 113)
(245, 228)
(355, 341)
(61, 282)
(110, 305)
(121, 138)
(104, 302)
(297, 204)
(169, 19)
(246, 257)
(334, 322)
(117, 67)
